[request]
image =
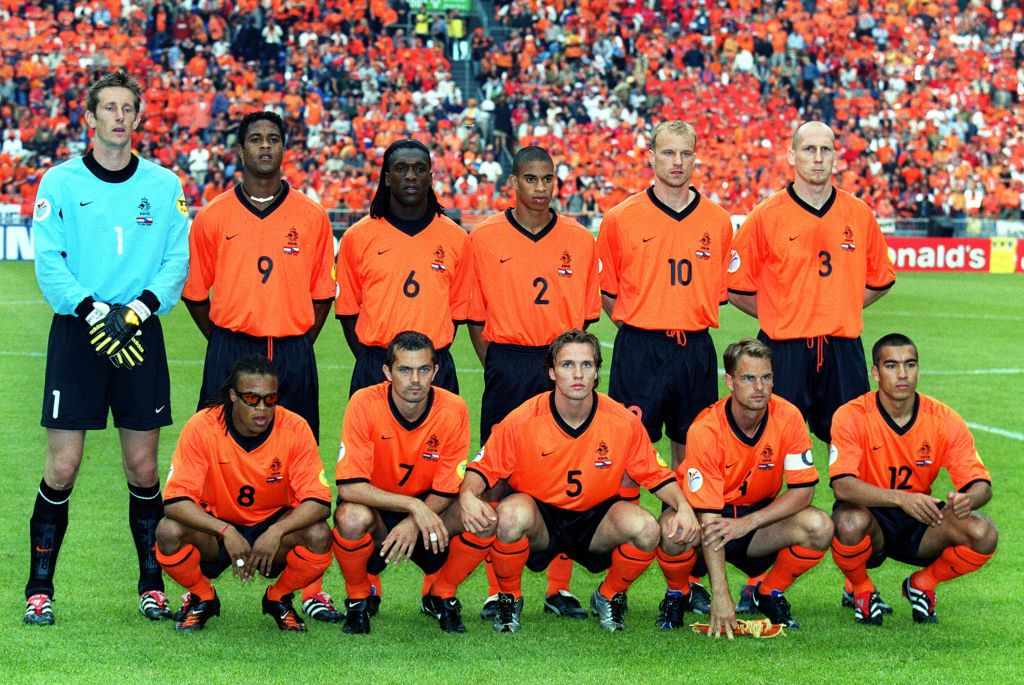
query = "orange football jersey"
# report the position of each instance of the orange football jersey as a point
(528, 289)
(380, 447)
(396, 281)
(725, 467)
(867, 444)
(266, 267)
(244, 488)
(666, 269)
(809, 267)
(576, 469)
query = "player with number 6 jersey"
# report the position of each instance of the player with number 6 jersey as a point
(402, 268)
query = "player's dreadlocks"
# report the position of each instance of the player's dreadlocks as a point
(250, 364)
(381, 204)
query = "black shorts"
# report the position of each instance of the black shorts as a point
(81, 387)
(212, 569)
(570, 533)
(666, 380)
(736, 550)
(369, 370)
(901, 535)
(817, 391)
(421, 556)
(298, 383)
(512, 375)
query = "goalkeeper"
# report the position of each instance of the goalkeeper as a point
(111, 241)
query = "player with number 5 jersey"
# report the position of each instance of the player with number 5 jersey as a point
(402, 268)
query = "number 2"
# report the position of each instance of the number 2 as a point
(540, 299)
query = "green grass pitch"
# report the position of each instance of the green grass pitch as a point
(967, 328)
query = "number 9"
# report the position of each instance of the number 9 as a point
(265, 265)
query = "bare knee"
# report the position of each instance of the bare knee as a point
(317, 538)
(169, 535)
(982, 535)
(670, 548)
(514, 519)
(352, 521)
(851, 524)
(817, 528)
(645, 533)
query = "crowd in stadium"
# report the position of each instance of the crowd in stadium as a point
(924, 96)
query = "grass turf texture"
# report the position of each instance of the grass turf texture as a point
(962, 324)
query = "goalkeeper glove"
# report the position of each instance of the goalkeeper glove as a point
(112, 332)
(130, 356)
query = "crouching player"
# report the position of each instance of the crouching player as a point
(246, 490)
(401, 445)
(887, 449)
(563, 454)
(738, 451)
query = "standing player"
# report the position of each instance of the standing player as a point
(401, 445)
(267, 252)
(564, 454)
(805, 263)
(246, 490)
(534, 276)
(111, 236)
(664, 254)
(887, 449)
(402, 268)
(738, 451)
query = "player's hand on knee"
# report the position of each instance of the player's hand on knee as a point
(237, 548)
(685, 528)
(959, 503)
(431, 527)
(130, 356)
(400, 542)
(717, 532)
(477, 516)
(923, 508)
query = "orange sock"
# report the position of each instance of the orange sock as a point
(352, 556)
(559, 574)
(955, 561)
(301, 567)
(465, 552)
(628, 563)
(313, 588)
(183, 568)
(790, 564)
(508, 561)
(492, 577)
(754, 580)
(693, 579)
(852, 560)
(428, 582)
(677, 569)
(375, 583)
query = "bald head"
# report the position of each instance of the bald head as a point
(814, 129)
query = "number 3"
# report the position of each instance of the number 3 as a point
(826, 264)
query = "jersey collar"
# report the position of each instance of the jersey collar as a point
(677, 216)
(410, 228)
(897, 429)
(566, 428)
(404, 422)
(740, 435)
(246, 442)
(540, 234)
(106, 175)
(807, 208)
(269, 209)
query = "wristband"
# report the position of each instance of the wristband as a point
(223, 530)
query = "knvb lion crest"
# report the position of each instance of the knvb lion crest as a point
(765, 459)
(924, 454)
(566, 267)
(602, 460)
(275, 471)
(704, 252)
(291, 242)
(848, 244)
(438, 263)
(431, 451)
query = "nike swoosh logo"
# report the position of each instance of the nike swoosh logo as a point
(502, 261)
(386, 437)
(229, 237)
(876, 448)
(793, 237)
(380, 252)
(651, 238)
(547, 454)
(40, 550)
(729, 466)
(159, 409)
(83, 204)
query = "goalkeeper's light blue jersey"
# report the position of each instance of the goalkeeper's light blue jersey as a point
(110, 235)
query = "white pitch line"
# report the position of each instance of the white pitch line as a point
(971, 372)
(20, 302)
(996, 431)
(962, 315)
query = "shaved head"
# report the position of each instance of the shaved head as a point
(811, 128)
